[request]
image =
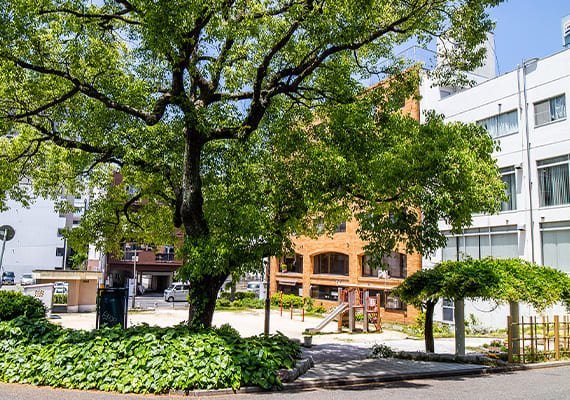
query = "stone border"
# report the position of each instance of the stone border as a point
(451, 358)
(285, 375)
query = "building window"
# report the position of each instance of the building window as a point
(477, 243)
(556, 245)
(508, 177)
(288, 287)
(290, 264)
(396, 263)
(331, 264)
(59, 251)
(341, 227)
(324, 292)
(393, 302)
(553, 182)
(448, 310)
(550, 110)
(502, 124)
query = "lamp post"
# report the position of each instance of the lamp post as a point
(135, 274)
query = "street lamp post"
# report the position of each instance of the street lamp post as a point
(135, 275)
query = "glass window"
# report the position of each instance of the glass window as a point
(59, 251)
(553, 181)
(396, 263)
(324, 292)
(550, 110)
(448, 310)
(331, 263)
(508, 177)
(341, 227)
(290, 264)
(556, 245)
(502, 124)
(498, 242)
(393, 302)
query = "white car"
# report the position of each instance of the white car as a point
(27, 279)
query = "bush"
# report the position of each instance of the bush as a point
(223, 303)
(320, 309)
(60, 299)
(287, 300)
(15, 304)
(140, 359)
(381, 351)
(239, 295)
(253, 303)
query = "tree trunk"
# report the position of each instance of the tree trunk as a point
(202, 299)
(428, 331)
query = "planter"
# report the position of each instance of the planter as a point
(307, 341)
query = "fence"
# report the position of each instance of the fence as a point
(531, 341)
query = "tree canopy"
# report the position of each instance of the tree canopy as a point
(240, 122)
(499, 280)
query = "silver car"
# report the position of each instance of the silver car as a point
(178, 291)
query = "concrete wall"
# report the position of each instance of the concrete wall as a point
(545, 79)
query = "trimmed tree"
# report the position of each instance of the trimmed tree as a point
(510, 280)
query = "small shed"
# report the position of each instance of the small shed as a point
(81, 287)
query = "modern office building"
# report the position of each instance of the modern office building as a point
(526, 111)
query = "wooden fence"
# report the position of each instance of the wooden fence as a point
(535, 341)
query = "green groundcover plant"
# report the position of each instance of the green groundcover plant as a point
(140, 359)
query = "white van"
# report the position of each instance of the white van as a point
(178, 291)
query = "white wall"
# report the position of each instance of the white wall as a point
(35, 241)
(545, 78)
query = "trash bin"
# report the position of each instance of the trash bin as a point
(112, 305)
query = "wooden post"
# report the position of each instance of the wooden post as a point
(532, 350)
(378, 317)
(510, 337)
(514, 311)
(365, 311)
(351, 317)
(544, 338)
(522, 340)
(557, 337)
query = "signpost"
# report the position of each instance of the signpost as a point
(6, 233)
(112, 306)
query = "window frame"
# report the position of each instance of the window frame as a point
(551, 163)
(549, 101)
(509, 171)
(486, 123)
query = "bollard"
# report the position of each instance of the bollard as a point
(291, 310)
(281, 303)
(303, 315)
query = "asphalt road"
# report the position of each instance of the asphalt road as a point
(539, 384)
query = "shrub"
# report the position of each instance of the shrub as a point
(60, 299)
(223, 303)
(253, 303)
(320, 309)
(381, 351)
(15, 304)
(287, 300)
(140, 359)
(239, 295)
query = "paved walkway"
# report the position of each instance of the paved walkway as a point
(340, 358)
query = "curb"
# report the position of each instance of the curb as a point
(484, 370)
(285, 375)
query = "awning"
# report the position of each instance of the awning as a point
(288, 283)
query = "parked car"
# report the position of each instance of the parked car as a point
(8, 278)
(178, 291)
(27, 279)
(254, 286)
(60, 288)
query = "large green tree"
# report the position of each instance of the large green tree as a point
(240, 122)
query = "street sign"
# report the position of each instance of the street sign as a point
(8, 231)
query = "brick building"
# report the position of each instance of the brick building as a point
(322, 266)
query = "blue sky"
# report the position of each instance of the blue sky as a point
(527, 29)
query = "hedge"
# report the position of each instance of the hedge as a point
(14, 304)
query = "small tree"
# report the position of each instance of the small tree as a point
(488, 279)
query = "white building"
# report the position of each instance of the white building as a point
(526, 110)
(38, 242)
